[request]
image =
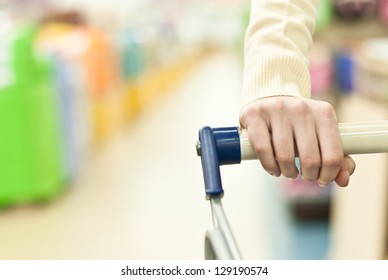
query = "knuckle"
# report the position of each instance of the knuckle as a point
(327, 111)
(251, 113)
(285, 159)
(262, 148)
(301, 108)
(310, 163)
(332, 162)
(273, 105)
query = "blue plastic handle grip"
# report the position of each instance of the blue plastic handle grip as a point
(228, 145)
(218, 146)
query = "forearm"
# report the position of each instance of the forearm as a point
(277, 45)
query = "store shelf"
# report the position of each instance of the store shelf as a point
(359, 219)
(341, 32)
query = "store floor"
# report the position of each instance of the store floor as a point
(140, 196)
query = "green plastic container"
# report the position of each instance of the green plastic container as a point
(325, 15)
(31, 161)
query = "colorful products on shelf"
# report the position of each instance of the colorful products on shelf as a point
(383, 12)
(31, 165)
(321, 71)
(353, 9)
(345, 71)
(64, 88)
(325, 14)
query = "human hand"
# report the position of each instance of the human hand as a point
(280, 124)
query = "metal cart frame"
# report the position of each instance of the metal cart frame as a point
(230, 145)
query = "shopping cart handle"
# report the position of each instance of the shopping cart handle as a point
(230, 145)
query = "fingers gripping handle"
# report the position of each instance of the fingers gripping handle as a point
(230, 145)
(356, 137)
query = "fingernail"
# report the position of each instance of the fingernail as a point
(347, 182)
(322, 184)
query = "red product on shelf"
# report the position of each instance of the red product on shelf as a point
(383, 11)
(353, 9)
(321, 70)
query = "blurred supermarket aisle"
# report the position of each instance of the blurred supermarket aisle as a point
(140, 196)
(105, 101)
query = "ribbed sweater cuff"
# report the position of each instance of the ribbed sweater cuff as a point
(264, 77)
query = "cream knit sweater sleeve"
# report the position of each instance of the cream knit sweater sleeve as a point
(277, 43)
